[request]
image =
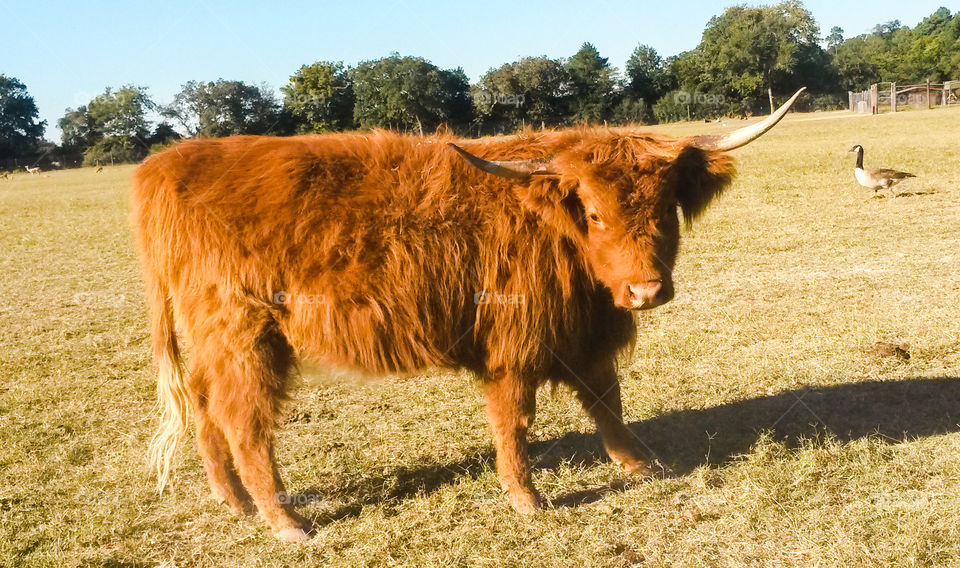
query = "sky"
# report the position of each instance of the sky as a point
(67, 52)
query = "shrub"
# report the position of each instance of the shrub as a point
(113, 151)
(631, 110)
(669, 108)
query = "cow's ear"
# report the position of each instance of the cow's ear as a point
(557, 202)
(698, 176)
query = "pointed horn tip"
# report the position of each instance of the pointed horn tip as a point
(747, 134)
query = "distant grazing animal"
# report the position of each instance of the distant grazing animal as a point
(385, 253)
(32, 171)
(876, 179)
(99, 169)
(4, 175)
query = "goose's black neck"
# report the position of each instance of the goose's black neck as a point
(860, 157)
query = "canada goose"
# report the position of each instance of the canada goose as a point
(876, 179)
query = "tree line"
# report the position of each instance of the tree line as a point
(745, 56)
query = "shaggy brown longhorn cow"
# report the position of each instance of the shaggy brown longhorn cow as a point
(385, 253)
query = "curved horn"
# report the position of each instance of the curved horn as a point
(520, 169)
(747, 134)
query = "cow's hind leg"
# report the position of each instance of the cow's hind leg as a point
(212, 445)
(243, 401)
(599, 392)
(218, 463)
(511, 405)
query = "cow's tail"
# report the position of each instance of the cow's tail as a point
(172, 399)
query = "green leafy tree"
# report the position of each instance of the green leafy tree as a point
(949, 64)
(20, 131)
(746, 51)
(896, 53)
(533, 90)
(123, 113)
(647, 74)
(319, 98)
(225, 108)
(409, 93)
(111, 128)
(592, 84)
(78, 130)
(926, 51)
(857, 60)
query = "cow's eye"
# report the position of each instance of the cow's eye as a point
(595, 221)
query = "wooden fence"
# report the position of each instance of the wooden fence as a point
(890, 97)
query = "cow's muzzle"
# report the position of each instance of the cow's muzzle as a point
(645, 295)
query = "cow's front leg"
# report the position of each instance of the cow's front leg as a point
(599, 392)
(511, 403)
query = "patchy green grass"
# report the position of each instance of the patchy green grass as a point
(792, 440)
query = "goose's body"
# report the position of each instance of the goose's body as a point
(881, 178)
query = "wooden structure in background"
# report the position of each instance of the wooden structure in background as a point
(882, 97)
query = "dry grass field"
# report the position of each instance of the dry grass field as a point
(789, 437)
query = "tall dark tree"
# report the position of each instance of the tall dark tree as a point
(592, 83)
(648, 78)
(20, 131)
(225, 108)
(164, 134)
(319, 98)
(409, 93)
(834, 38)
(886, 30)
(533, 90)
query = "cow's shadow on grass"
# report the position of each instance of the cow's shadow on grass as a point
(683, 440)
(893, 410)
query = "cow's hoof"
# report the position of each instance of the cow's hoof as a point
(631, 462)
(293, 534)
(637, 467)
(525, 503)
(235, 506)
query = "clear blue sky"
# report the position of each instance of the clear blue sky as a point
(67, 52)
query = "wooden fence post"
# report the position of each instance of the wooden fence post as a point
(893, 97)
(928, 94)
